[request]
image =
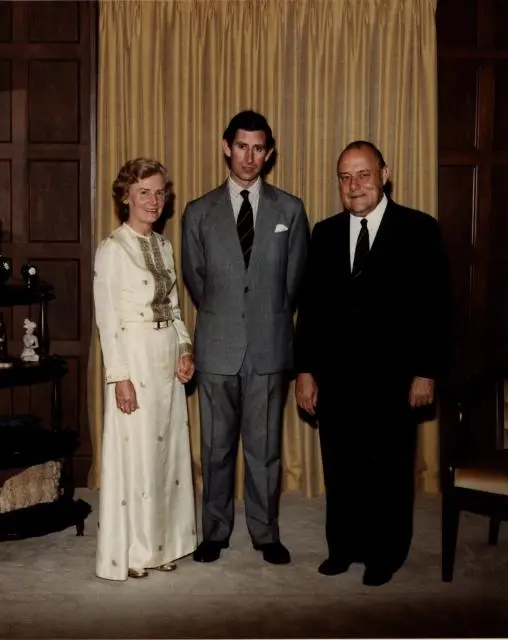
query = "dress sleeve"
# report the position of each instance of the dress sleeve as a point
(106, 291)
(184, 341)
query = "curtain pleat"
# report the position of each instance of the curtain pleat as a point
(172, 73)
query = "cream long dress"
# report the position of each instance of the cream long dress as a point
(147, 512)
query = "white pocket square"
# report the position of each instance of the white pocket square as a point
(280, 228)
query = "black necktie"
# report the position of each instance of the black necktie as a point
(245, 226)
(362, 247)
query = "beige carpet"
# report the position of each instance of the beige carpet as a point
(48, 588)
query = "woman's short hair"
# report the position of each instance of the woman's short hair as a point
(131, 172)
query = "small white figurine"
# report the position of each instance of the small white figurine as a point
(30, 341)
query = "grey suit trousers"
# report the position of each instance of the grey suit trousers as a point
(251, 405)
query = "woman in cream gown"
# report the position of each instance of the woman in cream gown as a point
(147, 513)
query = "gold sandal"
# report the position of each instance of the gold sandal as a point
(137, 573)
(168, 566)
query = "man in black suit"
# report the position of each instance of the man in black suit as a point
(370, 345)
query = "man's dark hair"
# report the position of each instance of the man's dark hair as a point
(361, 144)
(249, 121)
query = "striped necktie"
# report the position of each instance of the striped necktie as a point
(245, 227)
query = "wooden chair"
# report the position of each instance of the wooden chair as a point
(474, 463)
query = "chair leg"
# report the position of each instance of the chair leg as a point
(494, 526)
(449, 532)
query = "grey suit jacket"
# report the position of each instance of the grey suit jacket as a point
(236, 307)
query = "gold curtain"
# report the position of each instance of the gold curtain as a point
(324, 72)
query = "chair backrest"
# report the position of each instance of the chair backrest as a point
(472, 421)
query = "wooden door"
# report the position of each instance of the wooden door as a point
(47, 138)
(473, 175)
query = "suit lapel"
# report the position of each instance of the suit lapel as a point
(226, 226)
(343, 251)
(266, 219)
(384, 235)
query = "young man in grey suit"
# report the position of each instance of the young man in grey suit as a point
(244, 246)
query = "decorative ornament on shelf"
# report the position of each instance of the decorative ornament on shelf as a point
(29, 273)
(30, 342)
(5, 269)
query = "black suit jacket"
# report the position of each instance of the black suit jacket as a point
(390, 319)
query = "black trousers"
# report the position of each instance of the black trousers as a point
(368, 440)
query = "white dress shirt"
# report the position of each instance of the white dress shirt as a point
(237, 200)
(373, 221)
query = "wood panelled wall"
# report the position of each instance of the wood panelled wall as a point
(473, 176)
(47, 116)
(47, 107)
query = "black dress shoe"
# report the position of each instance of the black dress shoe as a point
(209, 550)
(376, 576)
(334, 566)
(274, 552)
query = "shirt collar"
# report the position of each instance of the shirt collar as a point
(235, 189)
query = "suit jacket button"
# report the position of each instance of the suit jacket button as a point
(243, 315)
(246, 290)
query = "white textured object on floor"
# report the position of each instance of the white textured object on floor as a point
(34, 485)
(48, 588)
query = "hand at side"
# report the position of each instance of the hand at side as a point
(306, 393)
(125, 394)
